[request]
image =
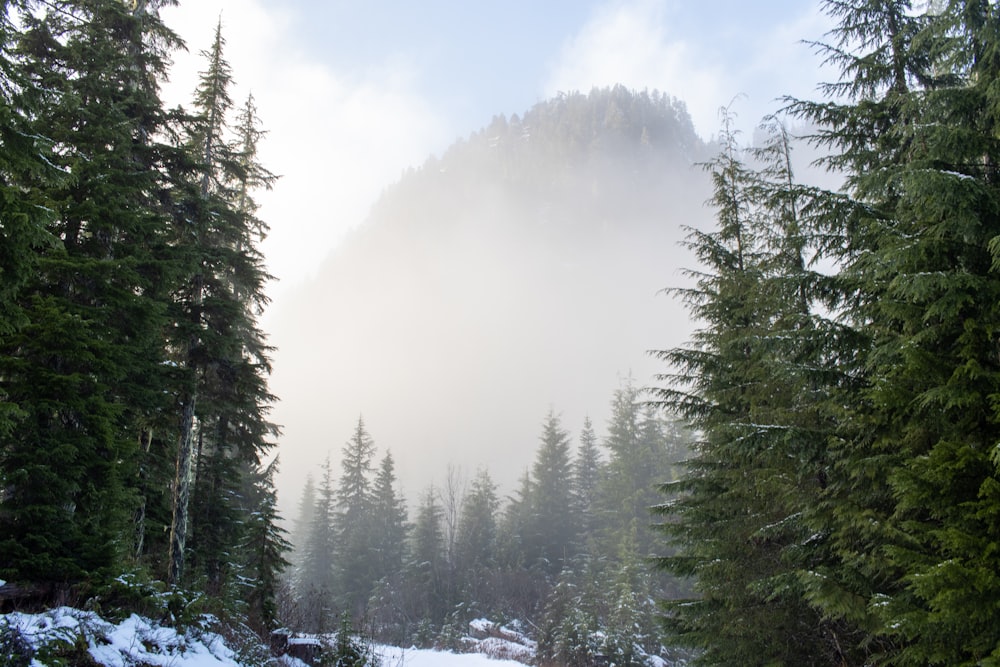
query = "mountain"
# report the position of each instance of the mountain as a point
(517, 272)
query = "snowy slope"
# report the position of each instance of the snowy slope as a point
(59, 633)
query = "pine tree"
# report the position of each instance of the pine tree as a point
(301, 526)
(637, 465)
(476, 536)
(221, 353)
(315, 584)
(84, 369)
(263, 549)
(910, 510)
(389, 523)
(753, 385)
(425, 570)
(25, 166)
(551, 529)
(588, 471)
(476, 543)
(353, 523)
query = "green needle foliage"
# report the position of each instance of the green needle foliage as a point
(840, 507)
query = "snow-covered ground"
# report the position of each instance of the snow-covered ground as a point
(393, 657)
(44, 638)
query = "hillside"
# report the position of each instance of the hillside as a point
(518, 271)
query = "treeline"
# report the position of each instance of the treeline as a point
(841, 504)
(134, 431)
(567, 554)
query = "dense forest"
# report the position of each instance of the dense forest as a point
(133, 375)
(814, 475)
(566, 557)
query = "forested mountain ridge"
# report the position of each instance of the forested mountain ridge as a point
(511, 281)
(519, 270)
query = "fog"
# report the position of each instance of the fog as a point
(521, 272)
(453, 334)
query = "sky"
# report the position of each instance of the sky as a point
(354, 93)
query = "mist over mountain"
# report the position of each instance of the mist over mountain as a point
(519, 271)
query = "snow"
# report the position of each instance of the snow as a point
(140, 641)
(133, 641)
(411, 657)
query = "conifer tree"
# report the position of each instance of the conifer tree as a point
(315, 584)
(915, 132)
(389, 523)
(476, 543)
(353, 523)
(25, 167)
(425, 570)
(222, 355)
(752, 386)
(476, 539)
(301, 526)
(637, 464)
(587, 474)
(264, 548)
(84, 368)
(25, 163)
(551, 529)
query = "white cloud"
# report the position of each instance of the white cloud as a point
(633, 42)
(336, 141)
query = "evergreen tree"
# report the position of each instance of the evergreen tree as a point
(513, 525)
(315, 584)
(551, 529)
(425, 570)
(568, 632)
(83, 369)
(264, 549)
(476, 543)
(909, 512)
(389, 523)
(24, 167)
(637, 465)
(302, 525)
(755, 384)
(587, 474)
(221, 351)
(476, 538)
(353, 524)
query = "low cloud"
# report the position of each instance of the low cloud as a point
(336, 137)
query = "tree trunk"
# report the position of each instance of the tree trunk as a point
(182, 493)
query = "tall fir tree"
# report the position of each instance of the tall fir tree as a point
(85, 370)
(353, 524)
(551, 528)
(315, 581)
(915, 132)
(263, 549)
(389, 523)
(751, 385)
(221, 353)
(588, 469)
(476, 543)
(426, 567)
